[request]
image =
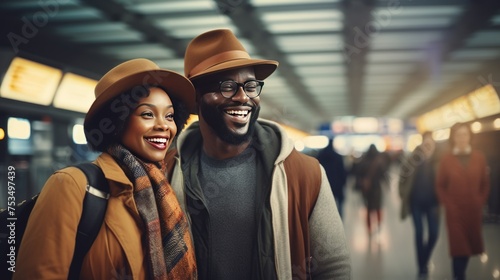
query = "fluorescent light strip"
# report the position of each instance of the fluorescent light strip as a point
(315, 15)
(173, 6)
(200, 21)
(295, 27)
(262, 3)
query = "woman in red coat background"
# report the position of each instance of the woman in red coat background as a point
(462, 187)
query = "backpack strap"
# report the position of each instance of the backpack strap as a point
(94, 208)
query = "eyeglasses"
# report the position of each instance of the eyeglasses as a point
(229, 88)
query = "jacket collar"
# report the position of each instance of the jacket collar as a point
(112, 170)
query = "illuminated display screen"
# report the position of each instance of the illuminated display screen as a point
(75, 93)
(29, 81)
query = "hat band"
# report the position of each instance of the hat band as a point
(218, 58)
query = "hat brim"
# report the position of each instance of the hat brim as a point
(263, 68)
(173, 83)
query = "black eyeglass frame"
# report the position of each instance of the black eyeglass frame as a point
(242, 85)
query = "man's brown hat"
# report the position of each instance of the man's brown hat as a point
(219, 50)
(135, 73)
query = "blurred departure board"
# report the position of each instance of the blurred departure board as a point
(29, 81)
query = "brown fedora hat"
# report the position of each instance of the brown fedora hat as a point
(139, 72)
(219, 50)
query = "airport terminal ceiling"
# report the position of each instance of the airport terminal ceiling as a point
(391, 58)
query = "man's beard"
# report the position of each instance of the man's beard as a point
(214, 117)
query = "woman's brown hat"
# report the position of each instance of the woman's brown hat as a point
(135, 73)
(219, 50)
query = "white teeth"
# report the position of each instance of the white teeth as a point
(237, 112)
(157, 140)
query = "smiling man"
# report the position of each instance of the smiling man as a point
(258, 208)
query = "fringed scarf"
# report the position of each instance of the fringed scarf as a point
(169, 247)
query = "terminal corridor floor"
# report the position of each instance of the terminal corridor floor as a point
(390, 254)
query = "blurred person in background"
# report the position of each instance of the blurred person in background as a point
(418, 197)
(372, 169)
(462, 187)
(335, 170)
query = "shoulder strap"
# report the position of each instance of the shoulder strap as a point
(94, 209)
(304, 182)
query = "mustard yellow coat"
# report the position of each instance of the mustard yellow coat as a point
(48, 244)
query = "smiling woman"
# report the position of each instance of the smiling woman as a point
(151, 126)
(138, 111)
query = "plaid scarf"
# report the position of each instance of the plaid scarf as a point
(169, 247)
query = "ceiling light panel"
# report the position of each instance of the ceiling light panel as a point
(332, 91)
(170, 63)
(472, 54)
(172, 6)
(82, 13)
(329, 98)
(385, 79)
(146, 50)
(394, 56)
(276, 93)
(388, 68)
(314, 26)
(175, 64)
(324, 81)
(109, 37)
(378, 88)
(379, 96)
(13, 5)
(274, 81)
(399, 22)
(422, 11)
(276, 88)
(294, 16)
(191, 32)
(327, 95)
(90, 28)
(404, 40)
(316, 58)
(484, 39)
(263, 3)
(189, 27)
(188, 22)
(321, 70)
(300, 43)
